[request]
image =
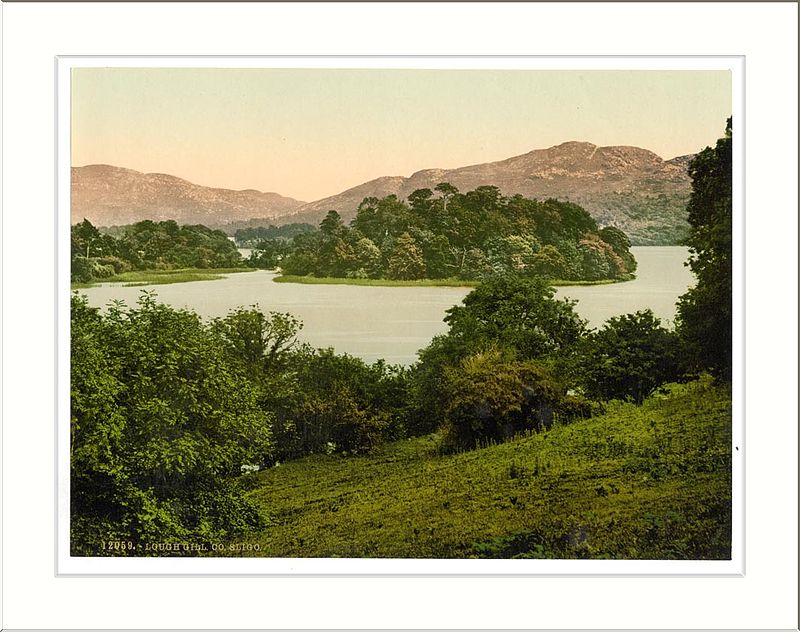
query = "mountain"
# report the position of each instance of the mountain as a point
(107, 195)
(628, 187)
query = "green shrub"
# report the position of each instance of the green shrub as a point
(160, 426)
(119, 265)
(81, 270)
(629, 358)
(490, 398)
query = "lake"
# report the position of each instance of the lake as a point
(394, 322)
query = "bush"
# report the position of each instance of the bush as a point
(119, 265)
(321, 397)
(161, 424)
(490, 398)
(81, 270)
(100, 271)
(629, 358)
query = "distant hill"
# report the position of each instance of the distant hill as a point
(107, 195)
(628, 187)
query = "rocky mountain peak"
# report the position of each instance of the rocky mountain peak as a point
(629, 187)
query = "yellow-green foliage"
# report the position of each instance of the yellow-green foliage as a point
(163, 277)
(311, 280)
(639, 482)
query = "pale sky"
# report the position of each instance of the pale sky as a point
(310, 133)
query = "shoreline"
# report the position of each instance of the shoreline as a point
(140, 278)
(311, 280)
(137, 278)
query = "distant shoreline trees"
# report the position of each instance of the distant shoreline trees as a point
(147, 245)
(440, 234)
(448, 234)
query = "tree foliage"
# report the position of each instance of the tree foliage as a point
(629, 358)
(520, 314)
(161, 425)
(447, 234)
(148, 245)
(491, 398)
(705, 311)
(508, 325)
(250, 236)
(327, 402)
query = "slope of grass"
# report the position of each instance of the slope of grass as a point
(649, 482)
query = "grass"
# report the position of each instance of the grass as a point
(312, 280)
(565, 282)
(161, 277)
(648, 482)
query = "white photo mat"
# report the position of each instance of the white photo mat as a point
(764, 597)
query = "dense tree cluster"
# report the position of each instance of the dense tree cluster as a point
(629, 358)
(319, 400)
(705, 311)
(517, 359)
(250, 236)
(148, 245)
(161, 423)
(497, 371)
(447, 234)
(168, 413)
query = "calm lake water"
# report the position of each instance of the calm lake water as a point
(393, 323)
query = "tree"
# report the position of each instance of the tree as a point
(704, 319)
(474, 264)
(490, 397)
(161, 424)
(332, 225)
(368, 256)
(447, 190)
(406, 260)
(512, 254)
(83, 235)
(324, 401)
(421, 202)
(304, 254)
(598, 260)
(515, 316)
(620, 243)
(518, 314)
(550, 263)
(629, 358)
(268, 253)
(261, 341)
(93, 253)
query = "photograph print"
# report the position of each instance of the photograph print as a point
(420, 313)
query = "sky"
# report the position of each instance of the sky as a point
(311, 133)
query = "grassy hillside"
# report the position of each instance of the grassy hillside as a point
(649, 482)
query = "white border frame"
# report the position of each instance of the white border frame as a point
(34, 598)
(68, 565)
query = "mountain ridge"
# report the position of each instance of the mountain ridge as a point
(622, 185)
(106, 195)
(629, 187)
